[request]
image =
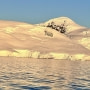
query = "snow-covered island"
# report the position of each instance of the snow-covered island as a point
(59, 38)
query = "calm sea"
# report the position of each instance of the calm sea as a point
(43, 74)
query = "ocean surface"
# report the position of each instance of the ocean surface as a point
(43, 74)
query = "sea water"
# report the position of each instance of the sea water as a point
(43, 74)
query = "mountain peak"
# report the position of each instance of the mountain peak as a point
(63, 18)
(71, 25)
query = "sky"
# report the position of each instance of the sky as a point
(38, 11)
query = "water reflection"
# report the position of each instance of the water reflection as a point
(33, 74)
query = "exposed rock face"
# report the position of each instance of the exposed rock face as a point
(39, 41)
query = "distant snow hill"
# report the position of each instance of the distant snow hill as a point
(45, 40)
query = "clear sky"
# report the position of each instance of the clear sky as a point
(37, 11)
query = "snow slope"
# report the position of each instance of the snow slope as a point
(25, 40)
